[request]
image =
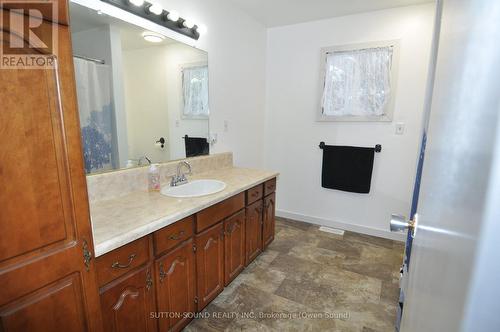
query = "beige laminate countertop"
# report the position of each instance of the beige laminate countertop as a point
(119, 221)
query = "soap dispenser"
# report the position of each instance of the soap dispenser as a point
(154, 177)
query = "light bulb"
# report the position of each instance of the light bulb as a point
(137, 3)
(156, 9)
(152, 37)
(202, 29)
(188, 23)
(173, 16)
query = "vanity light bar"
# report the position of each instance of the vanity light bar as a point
(154, 13)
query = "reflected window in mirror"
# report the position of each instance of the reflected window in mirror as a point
(195, 91)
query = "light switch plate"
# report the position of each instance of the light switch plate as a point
(400, 128)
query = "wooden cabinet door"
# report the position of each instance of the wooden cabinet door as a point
(234, 246)
(176, 287)
(210, 264)
(47, 272)
(128, 302)
(268, 224)
(253, 231)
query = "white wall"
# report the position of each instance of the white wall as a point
(119, 97)
(145, 83)
(292, 135)
(236, 46)
(154, 109)
(177, 55)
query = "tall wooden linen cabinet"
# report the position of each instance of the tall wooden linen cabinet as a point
(47, 272)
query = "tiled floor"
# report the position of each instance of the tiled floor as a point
(353, 278)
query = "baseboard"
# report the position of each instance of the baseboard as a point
(342, 225)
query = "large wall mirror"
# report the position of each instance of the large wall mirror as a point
(142, 97)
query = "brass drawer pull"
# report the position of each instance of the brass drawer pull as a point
(176, 237)
(117, 265)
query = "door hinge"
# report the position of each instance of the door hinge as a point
(87, 255)
(194, 247)
(196, 299)
(149, 280)
(162, 273)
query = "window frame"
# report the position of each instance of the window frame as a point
(389, 109)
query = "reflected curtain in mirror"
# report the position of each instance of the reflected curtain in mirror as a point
(195, 92)
(93, 84)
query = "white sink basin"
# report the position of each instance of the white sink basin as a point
(195, 188)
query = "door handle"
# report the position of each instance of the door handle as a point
(399, 223)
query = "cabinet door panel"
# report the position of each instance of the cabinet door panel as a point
(210, 264)
(253, 231)
(234, 246)
(269, 222)
(127, 304)
(176, 286)
(56, 307)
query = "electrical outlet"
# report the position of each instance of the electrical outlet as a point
(212, 138)
(400, 128)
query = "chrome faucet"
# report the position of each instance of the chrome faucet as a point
(139, 161)
(180, 178)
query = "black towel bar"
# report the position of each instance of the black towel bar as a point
(378, 147)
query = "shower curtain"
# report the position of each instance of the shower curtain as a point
(93, 84)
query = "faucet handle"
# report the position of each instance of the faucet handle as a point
(173, 181)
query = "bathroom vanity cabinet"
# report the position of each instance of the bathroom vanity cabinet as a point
(162, 279)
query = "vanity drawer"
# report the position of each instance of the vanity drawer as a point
(269, 187)
(255, 193)
(212, 215)
(170, 236)
(122, 260)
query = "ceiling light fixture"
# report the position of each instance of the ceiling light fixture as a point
(153, 37)
(173, 16)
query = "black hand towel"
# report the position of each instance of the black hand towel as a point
(196, 146)
(347, 168)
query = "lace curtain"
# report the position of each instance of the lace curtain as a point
(195, 91)
(358, 82)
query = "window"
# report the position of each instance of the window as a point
(195, 92)
(359, 82)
